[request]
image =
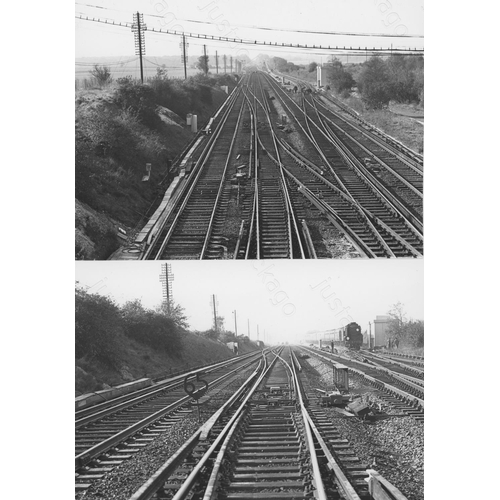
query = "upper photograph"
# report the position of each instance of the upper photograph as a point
(219, 129)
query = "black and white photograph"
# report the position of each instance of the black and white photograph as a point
(288, 135)
(218, 129)
(249, 380)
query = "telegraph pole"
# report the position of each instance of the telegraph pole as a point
(231, 59)
(235, 324)
(138, 27)
(184, 56)
(216, 62)
(206, 60)
(166, 278)
(370, 335)
(224, 63)
(248, 325)
(215, 313)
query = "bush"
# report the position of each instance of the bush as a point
(374, 83)
(340, 79)
(399, 78)
(102, 75)
(97, 322)
(151, 328)
(140, 99)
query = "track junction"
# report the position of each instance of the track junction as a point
(289, 175)
(270, 437)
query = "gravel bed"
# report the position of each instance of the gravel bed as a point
(125, 479)
(394, 447)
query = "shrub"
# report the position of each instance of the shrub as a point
(340, 79)
(151, 328)
(97, 322)
(374, 83)
(139, 98)
(102, 75)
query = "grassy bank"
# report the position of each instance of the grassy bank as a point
(118, 130)
(133, 360)
(117, 343)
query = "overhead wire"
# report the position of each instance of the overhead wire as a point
(257, 42)
(268, 28)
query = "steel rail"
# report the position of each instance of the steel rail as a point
(366, 150)
(84, 457)
(347, 491)
(255, 206)
(221, 186)
(411, 220)
(334, 217)
(359, 207)
(317, 479)
(227, 106)
(211, 490)
(398, 148)
(384, 140)
(340, 478)
(151, 486)
(388, 387)
(210, 145)
(256, 210)
(380, 190)
(290, 210)
(327, 210)
(375, 139)
(308, 238)
(311, 138)
(185, 489)
(283, 185)
(404, 366)
(101, 410)
(363, 212)
(344, 191)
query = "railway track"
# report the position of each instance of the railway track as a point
(403, 182)
(267, 442)
(109, 433)
(254, 194)
(277, 230)
(194, 218)
(398, 150)
(338, 168)
(401, 391)
(401, 367)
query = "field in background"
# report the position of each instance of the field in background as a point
(130, 66)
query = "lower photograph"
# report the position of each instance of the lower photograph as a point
(249, 380)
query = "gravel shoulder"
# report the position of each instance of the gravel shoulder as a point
(125, 479)
(394, 446)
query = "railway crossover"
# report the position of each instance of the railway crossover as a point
(108, 433)
(286, 176)
(268, 440)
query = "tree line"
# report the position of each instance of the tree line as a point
(398, 78)
(100, 322)
(404, 332)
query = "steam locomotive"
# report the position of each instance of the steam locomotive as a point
(349, 336)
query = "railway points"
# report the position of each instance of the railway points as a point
(286, 175)
(269, 436)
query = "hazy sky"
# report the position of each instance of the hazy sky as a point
(285, 298)
(234, 19)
